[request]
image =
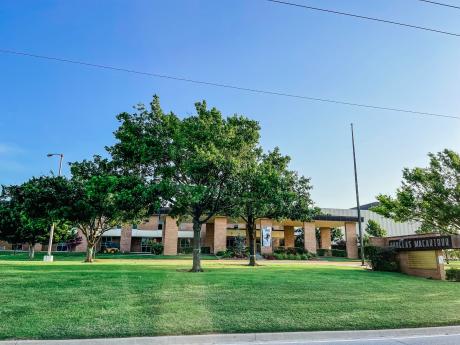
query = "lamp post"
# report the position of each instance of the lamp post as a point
(361, 240)
(49, 257)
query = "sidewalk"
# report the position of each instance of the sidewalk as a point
(429, 335)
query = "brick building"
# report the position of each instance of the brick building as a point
(220, 232)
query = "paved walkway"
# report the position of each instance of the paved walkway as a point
(415, 336)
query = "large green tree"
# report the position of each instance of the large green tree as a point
(266, 188)
(102, 198)
(28, 210)
(193, 159)
(428, 195)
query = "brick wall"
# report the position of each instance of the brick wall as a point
(125, 239)
(220, 234)
(309, 237)
(170, 233)
(351, 240)
(289, 237)
(325, 234)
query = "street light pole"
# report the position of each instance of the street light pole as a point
(49, 257)
(361, 240)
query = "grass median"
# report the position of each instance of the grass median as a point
(145, 297)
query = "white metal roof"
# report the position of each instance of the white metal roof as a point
(393, 228)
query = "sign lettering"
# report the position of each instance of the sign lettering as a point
(422, 243)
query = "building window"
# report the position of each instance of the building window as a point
(118, 226)
(235, 226)
(146, 245)
(134, 226)
(160, 226)
(185, 245)
(16, 246)
(62, 247)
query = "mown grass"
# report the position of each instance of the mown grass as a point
(126, 297)
(79, 256)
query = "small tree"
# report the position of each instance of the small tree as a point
(102, 198)
(374, 229)
(428, 195)
(193, 159)
(266, 188)
(28, 210)
(10, 222)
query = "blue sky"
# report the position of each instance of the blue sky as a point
(48, 107)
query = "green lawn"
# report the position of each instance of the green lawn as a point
(64, 256)
(126, 297)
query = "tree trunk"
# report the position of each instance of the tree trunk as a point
(89, 253)
(196, 246)
(446, 255)
(252, 243)
(31, 251)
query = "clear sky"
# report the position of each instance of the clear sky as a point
(55, 107)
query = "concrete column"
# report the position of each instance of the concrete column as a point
(220, 234)
(352, 240)
(310, 237)
(209, 236)
(125, 238)
(170, 233)
(325, 238)
(264, 223)
(289, 237)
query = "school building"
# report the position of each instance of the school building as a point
(220, 232)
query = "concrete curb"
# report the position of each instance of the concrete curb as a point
(251, 337)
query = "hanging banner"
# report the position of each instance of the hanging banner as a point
(266, 236)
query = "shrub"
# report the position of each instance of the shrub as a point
(206, 250)
(381, 259)
(157, 248)
(291, 256)
(339, 253)
(186, 250)
(221, 253)
(324, 252)
(453, 274)
(303, 256)
(280, 250)
(270, 256)
(297, 257)
(341, 244)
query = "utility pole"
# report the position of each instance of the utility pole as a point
(49, 257)
(361, 240)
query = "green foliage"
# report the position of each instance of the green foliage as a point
(193, 159)
(429, 195)
(324, 252)
(101, 198)
(290, 256)
(381, 258)
(266, 188)
(339, 253)
(239, 247)
(28, 210)
(453, 274)
(157, 247)
(374, 229)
